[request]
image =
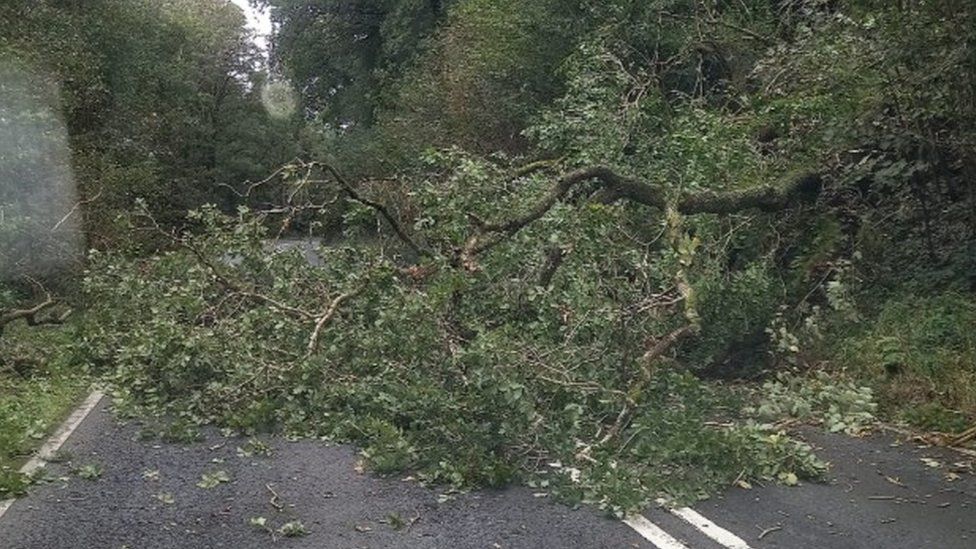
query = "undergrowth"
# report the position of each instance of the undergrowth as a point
(919, 352)
(38, 387)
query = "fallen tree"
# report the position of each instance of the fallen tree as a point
(616, 187)
(461, 352)
(611, 187)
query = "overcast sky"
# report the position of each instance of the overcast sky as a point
(259, 21)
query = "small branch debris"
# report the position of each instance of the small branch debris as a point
(768, 531)
(275, 499)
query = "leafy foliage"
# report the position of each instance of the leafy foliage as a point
(474, 391)
(444, 336)
(840, 405)
(293, 529)
(161, 100)
(89, 471)
(919, 353)
(214, 479)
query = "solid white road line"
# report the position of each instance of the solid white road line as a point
(710, 529)
(55, 441)
(653, 533)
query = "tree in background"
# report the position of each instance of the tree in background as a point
(162, 101)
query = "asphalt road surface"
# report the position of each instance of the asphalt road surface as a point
(881, 494)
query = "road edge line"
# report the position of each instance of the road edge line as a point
(56, 440)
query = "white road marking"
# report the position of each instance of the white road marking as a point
(710, 529)
(653, 533)
(55, 441)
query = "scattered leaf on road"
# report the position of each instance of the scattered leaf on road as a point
(211, 480)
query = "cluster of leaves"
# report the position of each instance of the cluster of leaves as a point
(290, 529)
(841, 406)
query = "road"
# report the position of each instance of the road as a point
(881, 493)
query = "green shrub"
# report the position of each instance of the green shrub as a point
(920, 353)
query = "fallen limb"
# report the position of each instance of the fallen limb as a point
(30, 314)
(616, 187)
(647, 362)
(33, 315)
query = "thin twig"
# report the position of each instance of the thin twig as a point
(275, 500)
(74, 208)
(768, 531)
(324, 319)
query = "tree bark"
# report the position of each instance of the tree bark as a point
(615, 187)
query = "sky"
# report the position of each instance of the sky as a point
(259, 21)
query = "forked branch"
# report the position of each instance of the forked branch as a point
(381, 209)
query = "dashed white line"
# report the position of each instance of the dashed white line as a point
(661, 539)
(55, 441)
(653, 533)
(710, 529)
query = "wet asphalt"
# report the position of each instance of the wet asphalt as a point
(147, 497)
(881, 493)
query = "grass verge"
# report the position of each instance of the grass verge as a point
(919, 355)
(38, 389)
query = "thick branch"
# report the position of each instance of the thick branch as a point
(30, 315)
(767, 198)
(615, 187)
(536, 166)
(659, 348)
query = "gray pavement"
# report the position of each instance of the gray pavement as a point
(316, 483)
(880, 495)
